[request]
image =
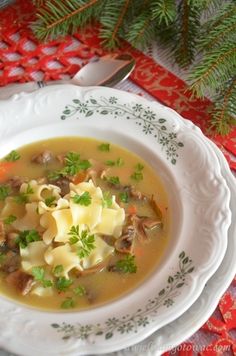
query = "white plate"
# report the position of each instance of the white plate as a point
(190, 322)
(199, 203)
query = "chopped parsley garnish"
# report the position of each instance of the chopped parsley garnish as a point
(83, 199)
(113, 180)
(12, 156)
(54, 175)
(68, 303)
(23, 198)
(9, 220)
(73, 164)
(80, 291)
(57, 271)
(50, 201)
(138, 175)
(39, 276)
(107, 200)
(139, 167)
(118, 163)
(127, 265)
(63, 283)
(27, 236)
(124, 197)
(4, 191)
(104, 147)
(84, 239)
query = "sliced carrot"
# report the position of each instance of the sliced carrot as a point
(80, 177)
(132, 209)
(4, 169)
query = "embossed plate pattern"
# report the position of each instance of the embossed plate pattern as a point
(198, 200)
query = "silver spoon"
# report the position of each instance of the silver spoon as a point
(104, 71)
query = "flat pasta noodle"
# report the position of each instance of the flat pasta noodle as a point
(30, 220)
(33, 255)
(12, 208)
(41, 291)
(48, 222)
(111, 222)
(64, 222)
(89, 215)
(62, 255)
(100, 253)
(61, 203)
(38, 192)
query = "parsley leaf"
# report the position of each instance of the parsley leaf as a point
(107, 200)
(9, 220)
(4, 191)
(138, 176)
(74, 164)
(58, 270)
(80, 291)
(83, 199)
(114, 180)
(118, 163)
(27, 236)
(124, 197)
(87, 244)
(39, 275)
(104, 147)
(68, 303)
(127, 265)
(50, 201)
(139, 167)
(86, 241)
(62, 283)
(12, 156)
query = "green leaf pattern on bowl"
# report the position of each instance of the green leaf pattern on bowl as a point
(141, 318)
(143, 117)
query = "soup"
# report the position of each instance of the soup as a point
(82, 222)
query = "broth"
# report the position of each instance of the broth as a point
(109, 282)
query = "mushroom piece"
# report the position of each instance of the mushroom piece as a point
(2, 233)
(125, 243)
(15, 182)
(61, 158)
(42, 157)
(63, 183)
(155, 207)
(98, 170)
(11, 262)
(97, 268)
(21, 281)
(11, 240)
(144, 223)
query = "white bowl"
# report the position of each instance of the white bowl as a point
(198, 200)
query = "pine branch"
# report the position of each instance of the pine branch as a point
(164, 11)
(215, 69)
(141, 31)
(58, 17)
(187, 29)
(223, 113)
(112, 19)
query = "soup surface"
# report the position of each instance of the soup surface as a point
(82, 222)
